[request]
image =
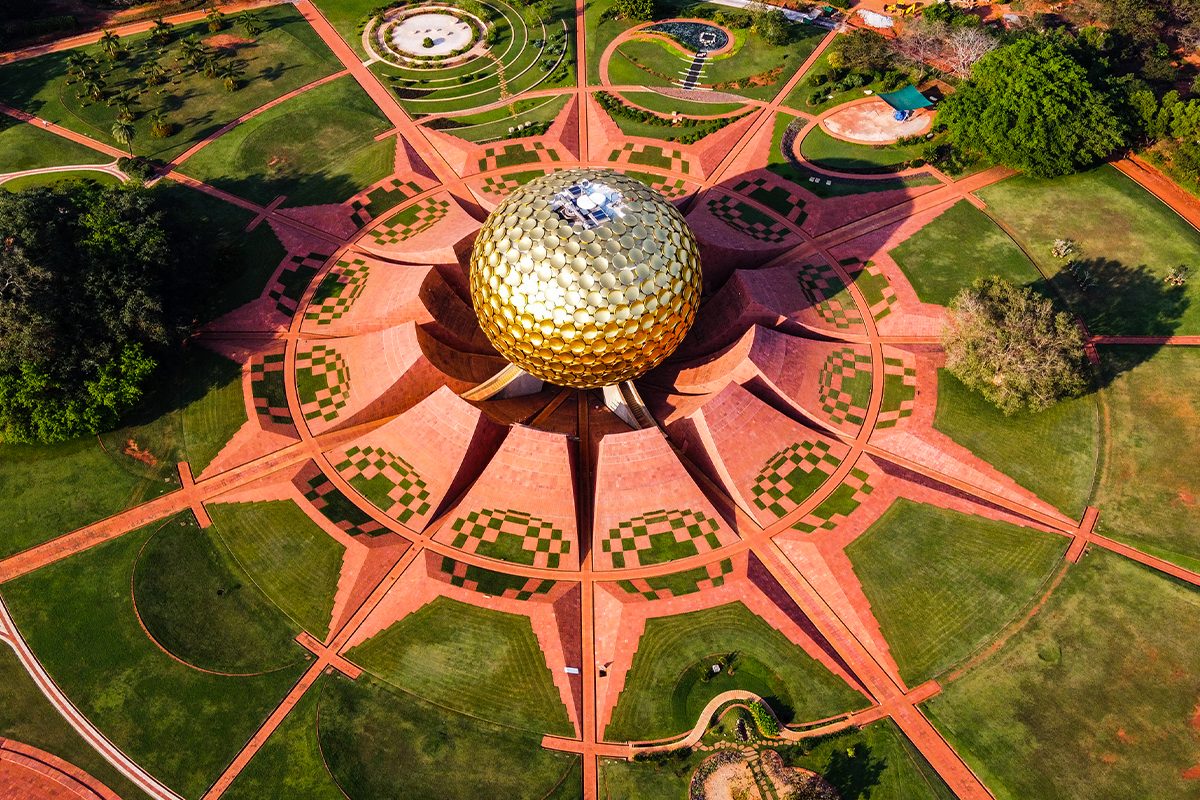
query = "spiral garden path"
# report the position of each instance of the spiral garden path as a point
(804, 415)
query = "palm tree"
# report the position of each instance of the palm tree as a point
(124, 103)
(251, 24)
(110, 43)
(216, 20)
(211, 67)
(155, 73)
(124, 132)
(78, 62)
(231, 72)
(159, 126)
(162, 30)
(188, 48)
(93, 87)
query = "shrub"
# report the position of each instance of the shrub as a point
(766, 723)
(427, 42)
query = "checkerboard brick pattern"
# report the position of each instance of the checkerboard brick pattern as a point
(267, 389)
(511, 536)
(504, 185)
(513, 155)
(845, 385)
(337, 291)
(648, 155)
(337, 507)
(391, 484)
(841, 503)
(661, 536)
(678, 584)
(748, 220)
(899, 392)
(874, 284)
(791, 475)
(825, 290)
(410, 221)
(371, 204)
(287, 289)
(486, 581)
(323, 382)
(774, 196)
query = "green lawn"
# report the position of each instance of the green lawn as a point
(1128, 240)
(316, 148)
(50, 490)
(825, 151)
(942, 583)
(959, 246)
(798, 99)
(755, 57)
(665, 105)
(599, 36)
(481, 662)
(495, 123)
(26, 716)
(1052, 453)
(287, 555)
(213, 406)
(428, 752)
(24, 146)
(289, 764)
(286, 56)
(885, 764)
(241, 263)
(184, 726)
(345, 16)
(51, 178)
(639, 780)
(1148, 484)
(202, 607)
(1093, 698)
(663, 695)
(622, 71)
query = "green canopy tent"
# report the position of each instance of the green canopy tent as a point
(905, 101)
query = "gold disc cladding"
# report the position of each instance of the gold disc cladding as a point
(585, 307)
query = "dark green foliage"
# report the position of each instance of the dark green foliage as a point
(1010, 345)
(774, 28)
(766, 723)
(862, 49)
(634, 9)
(1033, 106)
(84, 276)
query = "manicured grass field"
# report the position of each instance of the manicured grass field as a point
(665, 105)
(1093, 699)
(289, 764)
(599, 35)
(182, 725)
(884, 764)
(941, 583)
(493, 124)
(201, 606)
(633, 780)
(755, 57)
(51, 178)
(650, 54)
(26, 716)
(287, 555)
(1148, 485)
(825, 151)
(1128, 239)
(24, 146)
(958, 247)
(286, 56)
(798, 99)
(316, 148)
(242, 262)
(481, 662)
(1051, 453)
(50, 490)
(648, 707)
(213, 407)
(427, 751)
(345, 16)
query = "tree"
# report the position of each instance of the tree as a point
(124, 133)
(84, 278)
(110, 43)
(861, 49)
(124, 104)
(633, 9)
(93, 88)
(162, 31)
(216, 20)
(537, 13)
(965, 46)
(1031, 106)
(922, 40)
(231, 73)
(251, 23)
(160, 126)
(774, 28)
(1010, 345)
(155, 73)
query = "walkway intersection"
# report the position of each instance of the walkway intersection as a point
(790, 351)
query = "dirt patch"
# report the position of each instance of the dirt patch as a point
(145, 456)
(1196, 718)
(1184, 499)
(227, 41)
(1192, 772)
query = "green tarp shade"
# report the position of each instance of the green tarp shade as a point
(907, 99)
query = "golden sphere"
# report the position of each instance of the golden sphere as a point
(585, 278)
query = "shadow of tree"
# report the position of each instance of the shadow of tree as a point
(854, 776)
(1124, 300)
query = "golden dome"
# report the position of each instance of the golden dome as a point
(585, 278)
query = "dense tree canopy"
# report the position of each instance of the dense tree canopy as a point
(1010, 345)
(860, 49)
(1032, 106)
(84, 271)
